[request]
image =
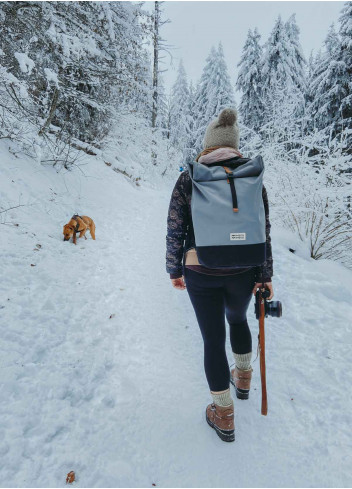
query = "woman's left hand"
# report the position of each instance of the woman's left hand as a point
(267, 285)
(179, 283)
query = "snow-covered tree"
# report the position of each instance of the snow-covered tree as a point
(80, 60)
(249, 81)
(346, 80)
(283, 84)
(162, 119)
(299, 62)
(188, 151)
(214, 93)
(220, 89)
(313, 61)
(180, 107)
(326, 89)
(331, 84)
(277, 67)
(159, 114)
(310, 65)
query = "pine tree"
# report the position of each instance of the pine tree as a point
(190, 143)
(313, 62)
(221, 94)
(326, 89)
(200, 105)
(283, 84)
(249, 81)
(180, 106)
(162, 119)
(299, 63)
(312, 68)
(346, 79)
(278, 64)
(214, 93)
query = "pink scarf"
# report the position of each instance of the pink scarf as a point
(218, 155)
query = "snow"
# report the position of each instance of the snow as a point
(110, 24)
(51, 76)
(26, 64)
(52, 31)
(121, 401)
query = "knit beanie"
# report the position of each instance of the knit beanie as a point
(223, 131)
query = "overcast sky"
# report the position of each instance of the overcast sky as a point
(196, 26)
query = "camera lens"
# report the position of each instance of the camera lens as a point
(274, 309)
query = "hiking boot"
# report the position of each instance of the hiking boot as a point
(241, 380)
(222, 420)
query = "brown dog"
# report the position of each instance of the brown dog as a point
(79, 224)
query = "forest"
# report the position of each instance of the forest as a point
(87, 77)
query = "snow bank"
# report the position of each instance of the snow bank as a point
(26, 64)
(51, 76)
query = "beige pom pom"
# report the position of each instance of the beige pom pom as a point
(227, 117)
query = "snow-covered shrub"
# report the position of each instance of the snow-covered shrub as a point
(17, 114)
(129, 145)
(312, 199)
(19, 122)
(308, 204)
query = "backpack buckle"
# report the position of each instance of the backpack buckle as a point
(229, 173)
(231, 181)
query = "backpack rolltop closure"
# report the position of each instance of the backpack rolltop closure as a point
(228, 212)
(230, 179)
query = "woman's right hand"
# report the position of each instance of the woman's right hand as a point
(178, 283)
(267, 285)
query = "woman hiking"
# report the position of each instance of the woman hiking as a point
(216, 293)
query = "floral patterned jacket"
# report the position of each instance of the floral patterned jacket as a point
(180, 235)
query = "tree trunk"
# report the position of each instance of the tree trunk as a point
(155, 76)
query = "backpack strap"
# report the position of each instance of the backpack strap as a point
(231, 181)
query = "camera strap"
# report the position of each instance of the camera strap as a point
(261, 347)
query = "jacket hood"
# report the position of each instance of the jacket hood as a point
(219, 155)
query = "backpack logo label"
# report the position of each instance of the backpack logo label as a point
(237, 236)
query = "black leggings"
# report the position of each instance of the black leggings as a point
(212, 297)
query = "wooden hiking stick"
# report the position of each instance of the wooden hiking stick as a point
(261, 337)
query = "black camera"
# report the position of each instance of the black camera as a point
(272, 308)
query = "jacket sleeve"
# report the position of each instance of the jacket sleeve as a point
(177, 224)
(265, 271)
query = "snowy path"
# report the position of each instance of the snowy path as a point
(121, 400)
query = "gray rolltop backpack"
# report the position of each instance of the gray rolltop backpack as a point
(228, 212)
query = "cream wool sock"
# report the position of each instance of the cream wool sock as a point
(243, 361)
(222, 398)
